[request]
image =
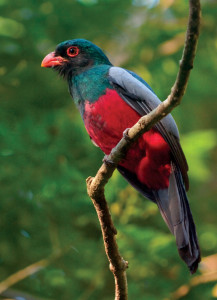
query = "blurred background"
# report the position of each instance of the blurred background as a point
(46, 217)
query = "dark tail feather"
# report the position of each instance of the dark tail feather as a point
(175, 210)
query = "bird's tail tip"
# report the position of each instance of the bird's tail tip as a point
(193, 268)
(192, 261)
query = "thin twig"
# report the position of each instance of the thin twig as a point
(95, 186)
(197, 280)
(208, 269)
(31, 269)
(13, 294)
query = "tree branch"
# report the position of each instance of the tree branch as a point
(185, 289)
(31, 269)
(95, 186)
(209, 264)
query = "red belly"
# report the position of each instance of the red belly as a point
(149, 158)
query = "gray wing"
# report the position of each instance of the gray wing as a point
(137, 93)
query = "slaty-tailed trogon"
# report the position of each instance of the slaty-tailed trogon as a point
(111, 99)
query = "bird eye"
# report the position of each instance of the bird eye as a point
(72, 51)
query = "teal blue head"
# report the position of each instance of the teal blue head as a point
(75, 56)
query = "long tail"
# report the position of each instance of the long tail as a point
(174, 208)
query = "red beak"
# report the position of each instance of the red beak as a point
(51, 60)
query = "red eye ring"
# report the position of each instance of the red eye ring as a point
(72, 51)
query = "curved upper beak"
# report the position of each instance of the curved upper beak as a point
(51, 60)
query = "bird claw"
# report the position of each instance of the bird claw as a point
(125, 134)
(108, 161)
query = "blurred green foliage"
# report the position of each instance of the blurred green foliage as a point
(46, 154)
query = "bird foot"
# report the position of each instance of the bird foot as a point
(108, 161)
(125, 134)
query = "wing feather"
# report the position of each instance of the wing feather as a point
(137, 93)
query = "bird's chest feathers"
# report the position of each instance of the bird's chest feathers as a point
(107, 118)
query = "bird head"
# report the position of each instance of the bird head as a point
(74, 56)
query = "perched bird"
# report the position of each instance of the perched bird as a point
(111, 99)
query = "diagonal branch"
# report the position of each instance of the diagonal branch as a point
(31, 269)
(95, 186)
(209, 274)
(185, 289)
